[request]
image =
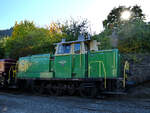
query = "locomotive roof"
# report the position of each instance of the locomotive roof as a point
(81, 38)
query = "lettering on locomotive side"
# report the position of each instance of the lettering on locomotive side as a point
(62, 62)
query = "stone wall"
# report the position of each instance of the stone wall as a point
(139, 67)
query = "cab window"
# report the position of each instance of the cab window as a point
(63, 49)
(77, 48)
(86, 47)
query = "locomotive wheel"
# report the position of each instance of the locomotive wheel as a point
(48, 89)
(120, 86)
(71, 90)
(35, 90)
(89, 92)
(21, 85)
(53, 90)
(39, 89)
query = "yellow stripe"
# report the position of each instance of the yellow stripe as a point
(99, 69)
(104, 75)
(80, 56)
(114, 62)
(89, 70)
(9, 74)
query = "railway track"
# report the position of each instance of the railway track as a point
(45, 94)
(105, 105)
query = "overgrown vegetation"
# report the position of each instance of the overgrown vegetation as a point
(27, 39)
(130, 36)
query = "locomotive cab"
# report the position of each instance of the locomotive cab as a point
(71, 57)
(81, 46)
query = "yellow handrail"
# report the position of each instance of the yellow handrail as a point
(9, 74)
(14, 70)
(104, 75)
(80, 56)
(126, 67)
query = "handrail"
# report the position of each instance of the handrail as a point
(14, 70)
(80, 55)
(126, 67)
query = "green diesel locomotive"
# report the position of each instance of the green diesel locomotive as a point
(75, 67)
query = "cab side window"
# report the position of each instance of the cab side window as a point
(86, 47)
(67, 48)
(60, 49)
(64, 49)
(77, 48)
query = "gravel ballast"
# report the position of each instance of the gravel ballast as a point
(21, 103)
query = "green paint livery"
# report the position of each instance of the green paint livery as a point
(103, 63)
(97, 64)
(35, 66)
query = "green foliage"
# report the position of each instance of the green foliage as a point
(22, 29)
(27, 39)
(73, 28)
(34, 42)
(104, 39)
(113, 19)
(3, 46)
(1, 49)
(134, 37)
(55, 32)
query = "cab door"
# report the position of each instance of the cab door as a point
(78, 61)
(96, 65)
(63, 61)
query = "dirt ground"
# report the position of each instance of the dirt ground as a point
(24, 103)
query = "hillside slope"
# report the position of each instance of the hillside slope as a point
(7, 32)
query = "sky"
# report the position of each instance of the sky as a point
(43, 12)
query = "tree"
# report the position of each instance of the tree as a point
(27, 39)
(55, 32)
(130, 36)
(134, 37)
(34, 42)
(3, 46)
(104, 39)
(73, 28)
(22, 29)
(1, 49)
(113, 19)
